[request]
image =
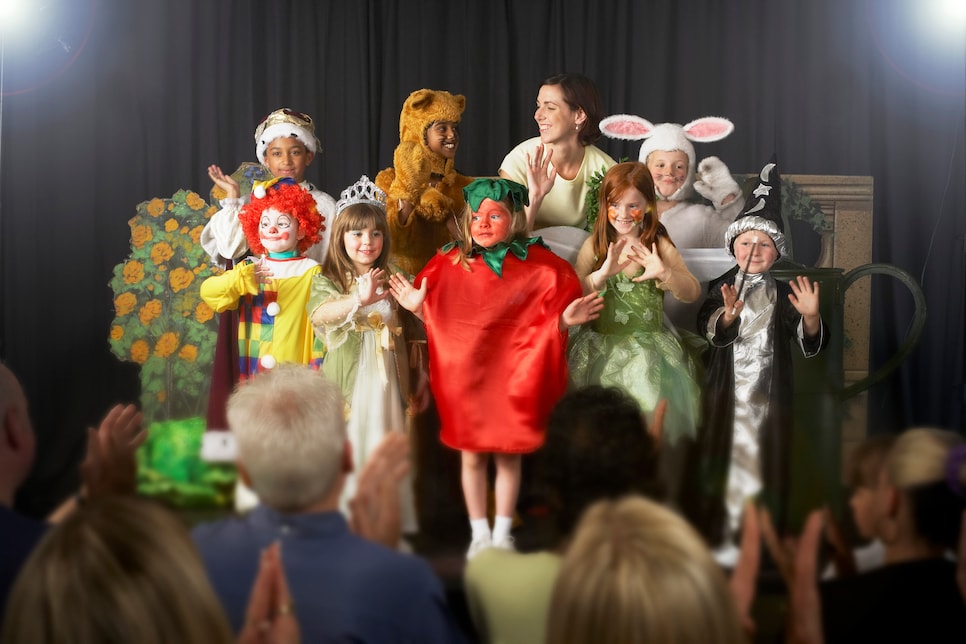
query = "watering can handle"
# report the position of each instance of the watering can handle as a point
(915, 332)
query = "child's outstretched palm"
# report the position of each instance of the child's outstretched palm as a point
(804, 296)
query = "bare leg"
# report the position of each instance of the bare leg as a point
(508, 467)
(474, 483)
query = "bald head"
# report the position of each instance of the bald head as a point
(16, 436)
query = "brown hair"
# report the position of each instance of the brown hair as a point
(337, 264)
(581, 94)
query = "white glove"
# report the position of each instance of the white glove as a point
(715, 183)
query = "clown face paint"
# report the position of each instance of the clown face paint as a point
(757, 246)
(490, 225)
(627, 211)
(278, 231)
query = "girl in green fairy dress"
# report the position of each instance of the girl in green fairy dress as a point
(632, 261)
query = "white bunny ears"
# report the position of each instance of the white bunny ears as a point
(667, 136)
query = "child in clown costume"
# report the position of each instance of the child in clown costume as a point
(497, 306)
(271, 291)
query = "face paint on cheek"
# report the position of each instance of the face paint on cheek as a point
(637, 214)
(611, 213)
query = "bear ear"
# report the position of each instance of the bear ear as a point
(460, 101)
(420, 99)
(708, 128)
(627, 127)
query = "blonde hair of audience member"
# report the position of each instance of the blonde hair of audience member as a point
(922, 488)
(637, 572)
(290, 426)
(121, 570)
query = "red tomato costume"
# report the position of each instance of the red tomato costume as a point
(497, 357)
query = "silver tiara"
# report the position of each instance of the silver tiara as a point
(362, 191)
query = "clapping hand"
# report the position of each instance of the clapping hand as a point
(650, 260)
(408, 296)
(372, 286)
(375, 513)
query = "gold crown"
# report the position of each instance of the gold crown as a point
(362, 191)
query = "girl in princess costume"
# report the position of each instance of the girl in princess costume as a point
(497, 306)
(351, 310)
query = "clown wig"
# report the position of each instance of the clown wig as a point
(285, 198)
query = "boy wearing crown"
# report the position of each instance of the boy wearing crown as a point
(286, 144)
(750, 319)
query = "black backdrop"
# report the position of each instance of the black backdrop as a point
(108, 103)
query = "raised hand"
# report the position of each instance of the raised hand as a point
(804, 295)
(540, 174)
(372, 286)
(263, 271)
(650, 260)
(408, 296)
(110, 466)
(374, 510)
(582, 310)
(224, 181)
(732, 305)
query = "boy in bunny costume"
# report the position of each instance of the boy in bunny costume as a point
(690, 225)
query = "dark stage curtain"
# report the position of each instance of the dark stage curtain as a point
(108, 103)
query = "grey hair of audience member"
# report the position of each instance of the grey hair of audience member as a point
(290, 426)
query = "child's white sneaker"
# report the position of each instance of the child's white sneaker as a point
(506, 543)
(479, 543)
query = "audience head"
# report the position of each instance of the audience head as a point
(865, 464)
(927, 468)
(290, 427)
(638, 573)
(580, 93)
(17, 440)
(118, 570)
(597, 446)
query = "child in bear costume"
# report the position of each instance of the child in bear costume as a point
(424, 189)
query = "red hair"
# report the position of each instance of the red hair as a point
(293, 200)
(630, 174)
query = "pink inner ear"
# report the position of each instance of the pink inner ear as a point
(708, 129)
(628, 128)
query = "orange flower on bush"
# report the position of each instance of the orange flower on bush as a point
(125, 303)
(171, 225)
(196, 234)
(166, 344)
(180, 279)
(150, 311)
(155, 207)
(140, 351)
(161, 252)
(140, 235)
(188, 353)
(117, 332)
(213, 209)
(133, 272)
(194, 201)
(162, 396)
(203, 312)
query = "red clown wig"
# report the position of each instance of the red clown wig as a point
(287, 197)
